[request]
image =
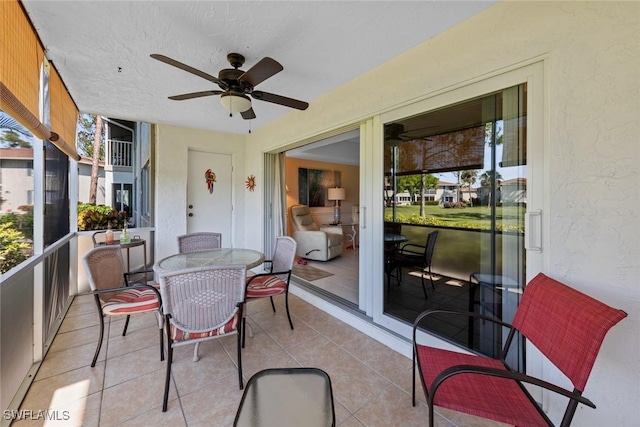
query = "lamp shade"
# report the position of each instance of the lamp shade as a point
(337, 194)
(235, 102)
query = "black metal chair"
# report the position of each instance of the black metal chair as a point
(416, 256)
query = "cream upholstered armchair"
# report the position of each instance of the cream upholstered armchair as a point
(315, 243)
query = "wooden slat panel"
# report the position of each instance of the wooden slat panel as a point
(64, 114)
(20, 55)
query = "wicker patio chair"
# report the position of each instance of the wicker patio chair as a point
(202, 241)
(113, 293)
(200, 304)
(276, 280)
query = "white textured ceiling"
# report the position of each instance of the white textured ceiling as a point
(101, 49)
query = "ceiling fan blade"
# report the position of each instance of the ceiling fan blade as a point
(195, 95)
(249, 114)
(279, 99)
(188, 69)
(260, 72)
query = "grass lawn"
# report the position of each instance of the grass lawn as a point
(470, 217)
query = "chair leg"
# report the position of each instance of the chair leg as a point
(95, 356)
(167, 380)
(196, 357)
(286, 304)
(424, 288)
(240, 363)
(273, 306)
(161, 329)
(161, 345)
(244, 329)
(413, 378)
(126, 324)
(433, 285)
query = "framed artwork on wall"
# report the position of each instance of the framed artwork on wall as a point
(313, 185)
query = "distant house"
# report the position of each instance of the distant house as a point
(514, 190)
(16, 178)
(84, 181)
(443, 193)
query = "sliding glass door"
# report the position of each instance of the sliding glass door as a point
(459, 166)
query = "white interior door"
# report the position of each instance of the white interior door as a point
(209, 203)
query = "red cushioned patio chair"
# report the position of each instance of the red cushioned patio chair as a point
(114, 295)
(568, 328)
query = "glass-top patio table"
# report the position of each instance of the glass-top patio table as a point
(287, 397)
(223, 256)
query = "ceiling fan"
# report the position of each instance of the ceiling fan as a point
(395, 133)
(237, 85)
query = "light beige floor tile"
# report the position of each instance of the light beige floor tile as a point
(79, 322)
(387, 362)
(404, 383)
(393, 407)
(252, 364)
(214, 364)
(213, 405)
(132, 365)
(129, 399)
(136, 339)
(350, 422)
(465, 420)
(81, 305)
(318, 353)
(65, 387)
(136, 322)
(68, 360)
(354, 384)
(342, 414)
(82, 412)
(260, 342)
(371, 383)
(69, 339)
(155, 417)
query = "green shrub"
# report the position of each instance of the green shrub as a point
(99, 217)
(13, 247)
(22, 222)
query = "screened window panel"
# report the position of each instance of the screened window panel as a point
(56, 187)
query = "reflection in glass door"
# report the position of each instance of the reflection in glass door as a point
(460, 171)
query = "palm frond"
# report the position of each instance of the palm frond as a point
(9, 123)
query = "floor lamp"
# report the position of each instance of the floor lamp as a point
(336, 194)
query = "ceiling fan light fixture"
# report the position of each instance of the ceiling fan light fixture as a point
(235, 102)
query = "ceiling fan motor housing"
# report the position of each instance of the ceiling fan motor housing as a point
(230, 77)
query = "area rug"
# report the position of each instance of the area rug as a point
(309, 273)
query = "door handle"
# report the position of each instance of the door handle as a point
(533, 230)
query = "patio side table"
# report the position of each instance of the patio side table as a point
(287, 397)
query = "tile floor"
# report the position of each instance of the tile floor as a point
(344, 282)
(371, 383)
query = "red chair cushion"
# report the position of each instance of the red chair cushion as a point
(498, 399)
(266, 286)
(131, 301)
(178, 334)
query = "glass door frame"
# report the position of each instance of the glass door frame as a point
(372, 173)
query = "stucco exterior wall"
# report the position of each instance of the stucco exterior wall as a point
(171, 182)
(592, 159)
(591, 54)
